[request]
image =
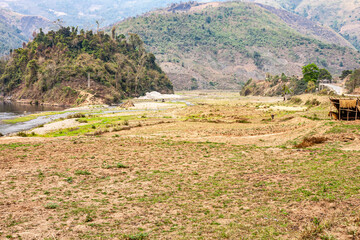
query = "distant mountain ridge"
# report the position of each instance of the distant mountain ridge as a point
(222, 45)
(84, 13)
(17, 28)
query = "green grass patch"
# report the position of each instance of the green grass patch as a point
(95, 124)
(345, 128)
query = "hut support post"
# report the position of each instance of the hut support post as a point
(356, 114)
(348, 115)
(339, 113)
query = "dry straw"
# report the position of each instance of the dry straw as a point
(347, 103)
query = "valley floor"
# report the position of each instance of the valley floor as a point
(221, 169)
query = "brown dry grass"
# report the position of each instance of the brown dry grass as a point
(185, 180)
(311, 141)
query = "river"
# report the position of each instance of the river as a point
(12, 110)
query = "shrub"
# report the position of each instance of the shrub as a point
(76, 115)
(82, 172)
(51, 205)
(138, 236)
(120, 165)
(296, 100)
(313, 102)
(308, 142)
(22, 134)
(81, 120)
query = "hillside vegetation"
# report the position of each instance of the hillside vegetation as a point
(55, 66)
(222, 45)
(341, 15)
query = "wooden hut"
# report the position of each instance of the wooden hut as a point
(346, 109)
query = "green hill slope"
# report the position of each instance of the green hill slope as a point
(221, 45)
(341, 15)
(54, 68)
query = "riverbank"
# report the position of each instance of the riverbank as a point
(22, 125)
(25, 121)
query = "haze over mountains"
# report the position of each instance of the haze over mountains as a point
(84, 13)
(17, 28)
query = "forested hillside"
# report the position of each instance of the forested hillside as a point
(54, 68)
(222, 45)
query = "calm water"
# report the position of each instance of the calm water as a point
(13, 110)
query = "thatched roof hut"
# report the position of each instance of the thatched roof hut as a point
(347, 109)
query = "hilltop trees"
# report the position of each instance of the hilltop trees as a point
(119, 67)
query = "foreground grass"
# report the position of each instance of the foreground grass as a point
(174, 189)
(211, 171)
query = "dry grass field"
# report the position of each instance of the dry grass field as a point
(221, 169)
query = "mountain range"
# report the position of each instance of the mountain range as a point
(222, 45)
(208, 45)
(84, 13)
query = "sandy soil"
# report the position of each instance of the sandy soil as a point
(67, 123)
